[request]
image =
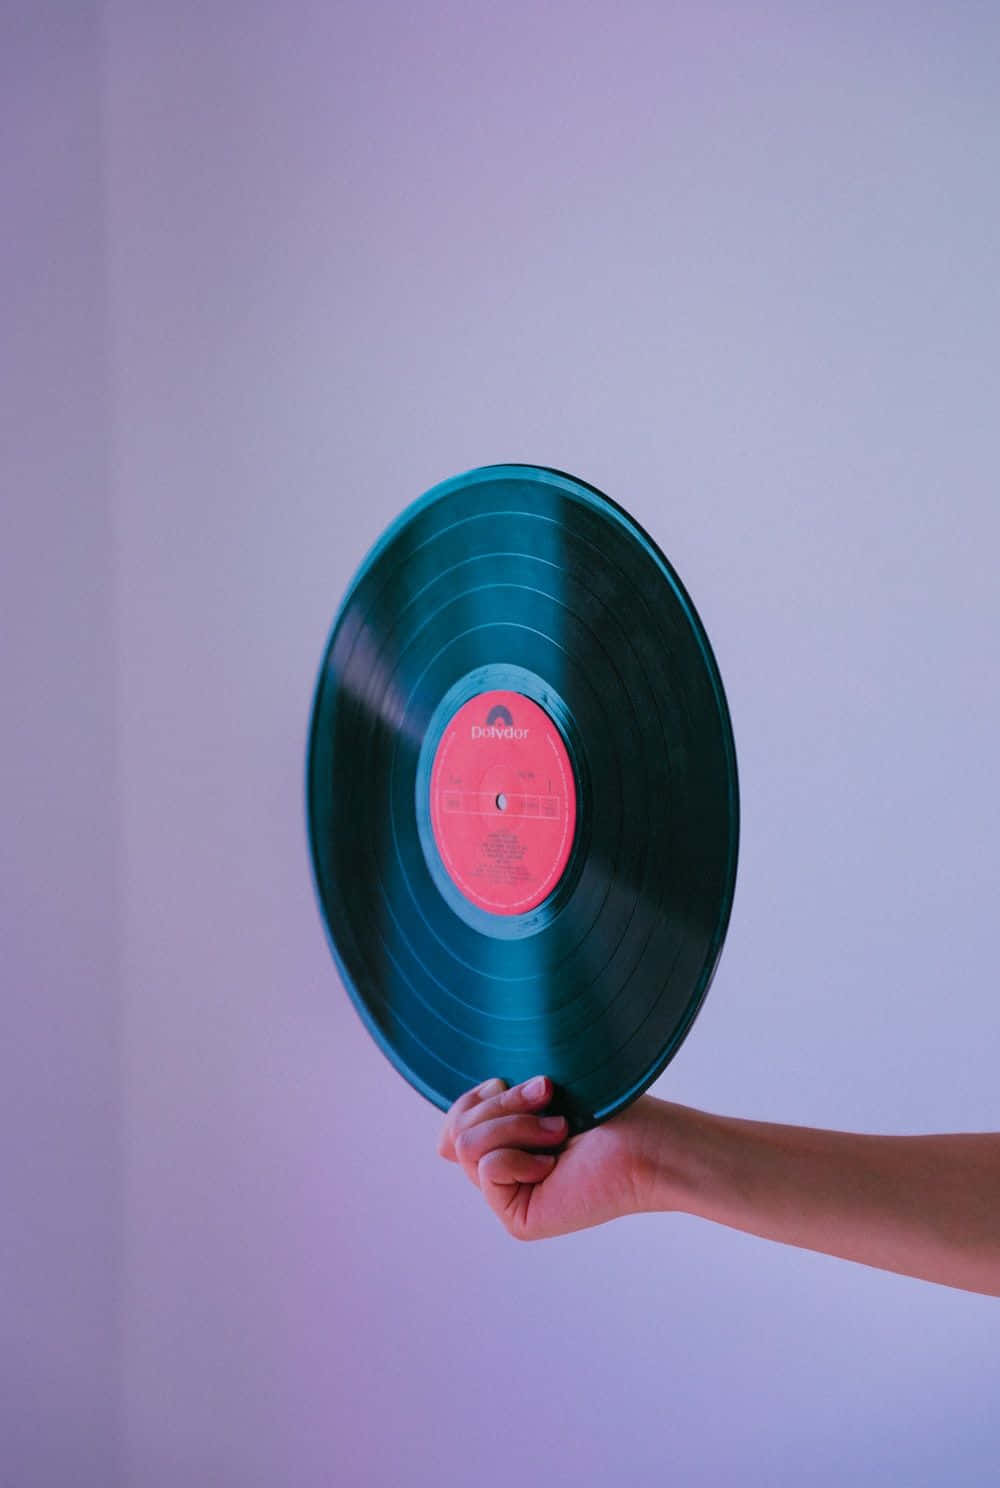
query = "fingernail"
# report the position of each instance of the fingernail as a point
(550, 1123)
(491, 1087)
(534, 1089)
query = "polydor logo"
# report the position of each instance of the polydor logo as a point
(499, 725)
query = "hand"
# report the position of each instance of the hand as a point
(493, 1134)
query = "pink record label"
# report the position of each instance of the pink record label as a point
(503, 802)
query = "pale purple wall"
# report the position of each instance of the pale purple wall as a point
(60, 1120)
(737, 266)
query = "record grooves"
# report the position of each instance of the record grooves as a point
(521, 793)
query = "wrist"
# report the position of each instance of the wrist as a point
(674, 1169)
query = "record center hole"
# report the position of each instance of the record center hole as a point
(501, 802)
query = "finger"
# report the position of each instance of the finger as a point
(505, 1132)
(531, 1095)
(505, 1168)
(506, 1165)
(459, 1110)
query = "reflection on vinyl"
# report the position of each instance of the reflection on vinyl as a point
(521, 794)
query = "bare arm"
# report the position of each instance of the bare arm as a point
(926, 1206)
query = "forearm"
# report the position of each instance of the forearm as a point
(926, 1206)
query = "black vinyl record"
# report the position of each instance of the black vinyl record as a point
(521, 794)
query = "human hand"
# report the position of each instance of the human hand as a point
(493, 1134)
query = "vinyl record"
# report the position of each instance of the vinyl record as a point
(521, 794)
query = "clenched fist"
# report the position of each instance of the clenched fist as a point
(536, 1181)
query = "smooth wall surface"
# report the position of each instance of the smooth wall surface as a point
(61, 1217)
(735, 265)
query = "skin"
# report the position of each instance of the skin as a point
(925, 1206)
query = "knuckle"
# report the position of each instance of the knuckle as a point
(464, 1145)
(445, 1144)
